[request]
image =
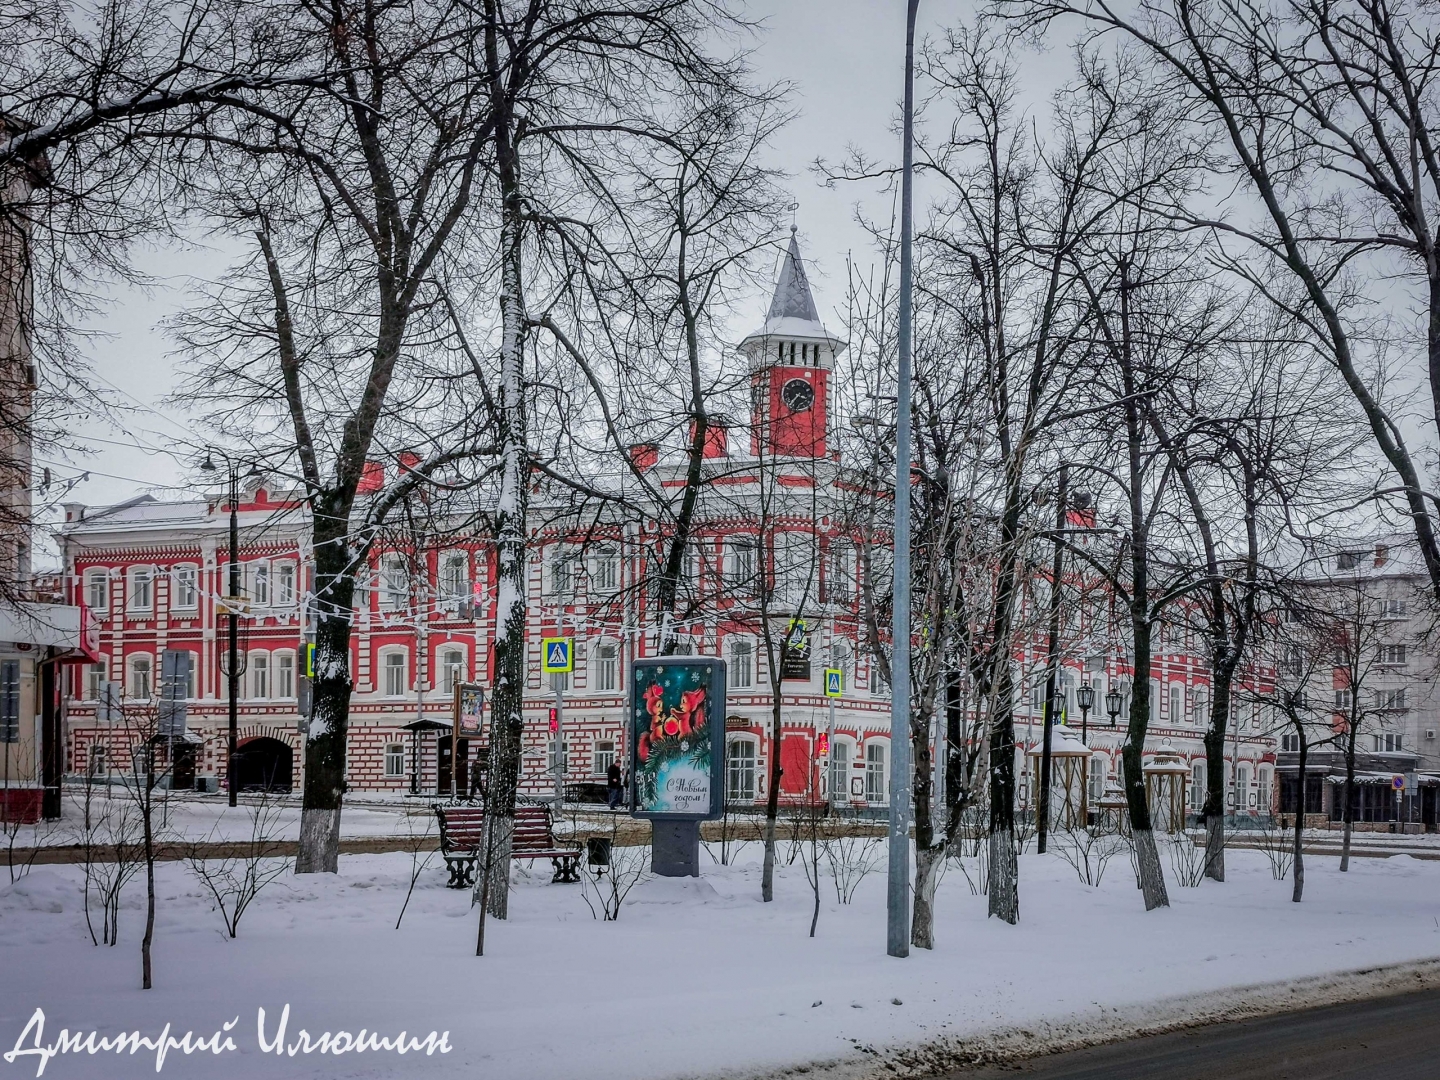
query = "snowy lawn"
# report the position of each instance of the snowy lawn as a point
(696, 977)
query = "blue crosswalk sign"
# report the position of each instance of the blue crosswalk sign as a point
(834, 682)
(557, 655)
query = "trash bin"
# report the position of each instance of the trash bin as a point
(597, 851)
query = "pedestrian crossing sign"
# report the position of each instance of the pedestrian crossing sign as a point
(310, 659)
(557, 655)
(834, 682)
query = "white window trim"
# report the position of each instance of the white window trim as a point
(130, 577)
(275, 657)
(102, 574)
(176, 604)
(382, 661)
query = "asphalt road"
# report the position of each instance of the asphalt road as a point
(1392, 1038)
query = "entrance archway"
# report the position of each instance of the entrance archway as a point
(264, 764)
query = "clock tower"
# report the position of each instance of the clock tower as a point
(791, 359)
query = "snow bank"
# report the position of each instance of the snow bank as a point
(697, 977)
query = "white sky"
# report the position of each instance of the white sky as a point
(844, 58)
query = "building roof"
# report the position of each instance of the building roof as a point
(792, 313)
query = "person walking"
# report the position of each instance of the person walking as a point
(614, 788)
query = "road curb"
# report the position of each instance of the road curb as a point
(1008, 1046)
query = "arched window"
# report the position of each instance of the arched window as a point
(142, 589)
(839, 781)
(740, 769)
(141, 670)
(742, 664)
(284, 675)
(877, 772)
(392, 673)
(606, 667)
(259, 671)
(1097, 777)
(452, 668)
(97, 589)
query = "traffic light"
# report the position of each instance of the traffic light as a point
(554, 721)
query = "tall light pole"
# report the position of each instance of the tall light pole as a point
(897, 905)
(232, 674)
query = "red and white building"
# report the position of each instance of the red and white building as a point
(153, 574)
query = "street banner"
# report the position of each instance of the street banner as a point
(677, 738)
(796, 663)
(469, 710)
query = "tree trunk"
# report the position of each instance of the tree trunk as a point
(508, 679)
(1214, 808)
(772, 793)
(1299, 873)
(325, 737)
(927, 866)
(145, 969)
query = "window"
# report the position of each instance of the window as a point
(260, 675)
(94, 676)
(742, 665)
(393, 583)
(1290, 743)
(1154, 701)
(140, 669)
(1393, 608)
(394, 760)
(550, 763)
(97, 589)
(1342, 701)
(877, 775)
(142, 596)
(285, 591)
(1097, 777)
(185, 593)
(604, 757)
(607, 667)
(605, 571)
(1293, 662)
(394, 674)
(455, 575)
(1177, 694)
(9, 701)
(1242, 786)
(1262, 797)
(560, 681)
(452, 669)
(1390, 742)
(839, 771)
(1390, 699)
(96, 764)
(192, 677)
(260, 584)
(794, 568)
(880, 685)
(285, 675)
(1347, 560)
(1392, 654)
(562, 572)
(740, 770)
(740, 565)
(840, 574)
(1197, 786)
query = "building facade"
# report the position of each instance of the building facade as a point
(771, 545)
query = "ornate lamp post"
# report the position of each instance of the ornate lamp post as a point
(1085, 698)
(1113, 701)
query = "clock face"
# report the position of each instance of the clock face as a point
(798, 395)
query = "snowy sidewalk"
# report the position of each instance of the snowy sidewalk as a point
(696, 978)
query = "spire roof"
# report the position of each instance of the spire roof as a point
(792, 299)
(792, 315)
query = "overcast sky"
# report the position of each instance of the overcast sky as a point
(844, 59)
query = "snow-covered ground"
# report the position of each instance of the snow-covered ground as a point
(186, 816)
(696, 977)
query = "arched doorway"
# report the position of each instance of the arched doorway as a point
(264, 764)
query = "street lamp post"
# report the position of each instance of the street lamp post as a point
(897, 898)
(1113, 701)
(232, 602)
(1085, 698)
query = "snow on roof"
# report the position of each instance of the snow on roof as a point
(1063, 743)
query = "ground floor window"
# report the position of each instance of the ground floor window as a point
(394, 760)
(1314, 794)
(877, 774)
(839, 771)
(604, 757)
(1368, 802)
(740, 770)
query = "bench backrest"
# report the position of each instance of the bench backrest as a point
(532, 829)
(463, 827)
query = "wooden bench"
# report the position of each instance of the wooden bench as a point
(462, 832)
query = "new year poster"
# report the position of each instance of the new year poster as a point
(678, 705)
